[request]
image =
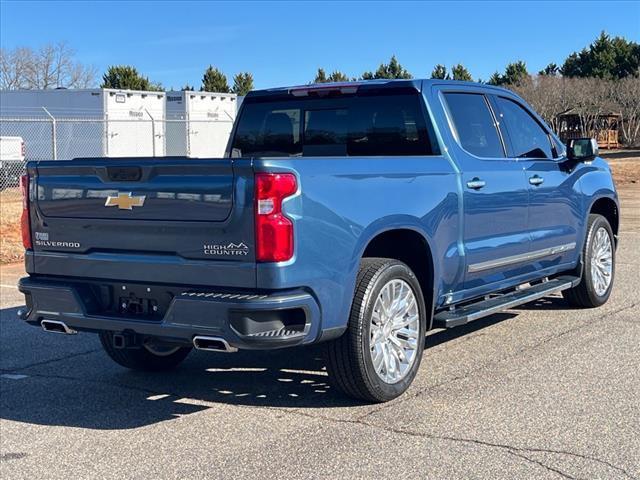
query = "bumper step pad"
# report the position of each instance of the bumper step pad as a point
(282, 332)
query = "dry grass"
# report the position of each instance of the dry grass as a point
(11, 249)
(625, 172)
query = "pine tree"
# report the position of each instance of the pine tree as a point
(459, 72)
(515, 73)
(214, 80)
(440, 72)
(127, 77)
(390, 70)
(242, 83)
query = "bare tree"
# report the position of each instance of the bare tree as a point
(627, 98)
(51, 66)
(590, 99)
(547, 95)
(14, 65)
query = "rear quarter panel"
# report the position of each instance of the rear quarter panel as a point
(343, 203)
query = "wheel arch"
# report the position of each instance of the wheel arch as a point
(412, 248)
(608, 208)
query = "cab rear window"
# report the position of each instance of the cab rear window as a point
(373, 125)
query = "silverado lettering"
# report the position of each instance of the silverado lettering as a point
(49, 243)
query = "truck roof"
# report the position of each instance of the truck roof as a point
(350, 87)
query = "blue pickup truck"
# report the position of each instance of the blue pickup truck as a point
(359, 215)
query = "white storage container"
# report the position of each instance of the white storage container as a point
(90, 122)
(199, 123)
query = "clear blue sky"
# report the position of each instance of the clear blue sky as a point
(284, 43)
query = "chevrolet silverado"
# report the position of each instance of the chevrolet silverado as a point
(357, 214)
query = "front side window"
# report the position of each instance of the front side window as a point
(474, 124)
(366, 125)
(528, 138)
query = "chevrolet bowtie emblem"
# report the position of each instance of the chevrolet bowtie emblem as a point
(124, 201)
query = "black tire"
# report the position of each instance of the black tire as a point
(348, 358)
(584, 294)
(142, 358)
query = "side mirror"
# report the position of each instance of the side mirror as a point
(581, 149)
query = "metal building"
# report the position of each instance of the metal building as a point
(86, 122)
(199, 123)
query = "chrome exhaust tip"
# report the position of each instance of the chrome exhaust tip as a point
(212, 344)
(55, 326)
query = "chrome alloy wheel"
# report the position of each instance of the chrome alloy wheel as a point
(601, 261)
(395, 326)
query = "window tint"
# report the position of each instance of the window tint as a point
(325, 132)
(391, 125)
(528, 138)
(474, 124)
(275, 130)
(367, 125)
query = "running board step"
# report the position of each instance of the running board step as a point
(484, 308)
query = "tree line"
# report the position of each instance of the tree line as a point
(587, 97)
(213, 80)
(601, 78)
(607, 58)
(54, 66)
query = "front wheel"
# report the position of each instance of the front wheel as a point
(599, 255)
(151, 356)
(379, 355)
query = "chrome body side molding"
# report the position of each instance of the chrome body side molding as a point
(525, 257)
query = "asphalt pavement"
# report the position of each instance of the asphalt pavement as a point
(542, 391)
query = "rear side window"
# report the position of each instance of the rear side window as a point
(270, 130)
(367, 125)
(474, 124)
(528, 138)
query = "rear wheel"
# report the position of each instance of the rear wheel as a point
(379, 355)
(599, 269)
(150, 356)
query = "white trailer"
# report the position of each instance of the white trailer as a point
(88, 122)
(199, 123)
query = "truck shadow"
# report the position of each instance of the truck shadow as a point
(556, 302)
(88, 390)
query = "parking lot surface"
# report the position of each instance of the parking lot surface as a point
(542, 391)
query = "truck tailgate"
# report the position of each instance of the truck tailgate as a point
(126, 218)
(161, 189)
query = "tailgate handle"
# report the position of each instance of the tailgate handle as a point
(124, 174)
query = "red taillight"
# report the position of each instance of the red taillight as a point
(25, 224)
(274, 231)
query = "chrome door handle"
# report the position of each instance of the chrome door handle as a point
(536, 180)
(476, 184)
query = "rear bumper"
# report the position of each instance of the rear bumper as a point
(246, 320)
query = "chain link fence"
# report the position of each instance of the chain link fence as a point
(52, 138)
